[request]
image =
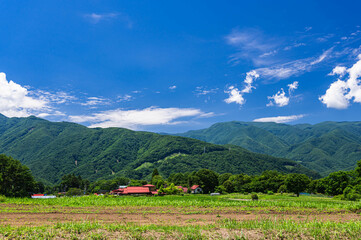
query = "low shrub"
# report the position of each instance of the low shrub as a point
(254, 197)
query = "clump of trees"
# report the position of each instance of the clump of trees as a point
(15, 179)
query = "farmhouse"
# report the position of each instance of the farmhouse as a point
(147, 189)
(196, 189)
(42, 196)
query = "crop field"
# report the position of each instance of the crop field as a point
(231, 216)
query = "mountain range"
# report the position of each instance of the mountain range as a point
(325, 147)
(53, 149)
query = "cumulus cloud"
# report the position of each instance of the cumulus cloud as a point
(172, 87)
(16, 101)
(280, 99)
(292, 86)
(250, 77)
(341, 93)
(133, 119)
(236, 95)
(280, 119)
(338, 70)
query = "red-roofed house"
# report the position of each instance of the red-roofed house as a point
(196, 189)
(42, 196)
(142, 190)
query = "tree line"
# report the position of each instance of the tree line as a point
(16, 181)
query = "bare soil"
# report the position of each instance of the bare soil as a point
(20, 215)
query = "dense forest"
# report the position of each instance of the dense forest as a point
(325, 147)
(54, 149)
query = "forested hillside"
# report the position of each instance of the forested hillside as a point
(325, 147)
(52, 150)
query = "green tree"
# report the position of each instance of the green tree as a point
(228, 185)
(336, 182)
(172, 190)
(208, 180)
(224, 177)
(15, 179)
(358, 169)
(297, 183)
(155, 173)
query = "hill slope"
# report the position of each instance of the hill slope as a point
(324, 147)
(51, 150)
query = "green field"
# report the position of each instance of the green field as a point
(231, 216)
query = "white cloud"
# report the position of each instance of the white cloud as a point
(93, 101)
(97, 17)
(125, 98)
(296, 45)
(338, 70)
(16, 101)
(280, 119)
(250, 77)
(292, 86)
(293, 68)
(235, 95)
(57, 97)
(251, 45)
(279, 99)
(172, 87)
(341, 93)
(323, 56)
(134, 119)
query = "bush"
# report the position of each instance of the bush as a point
(351, 194)
(74, 192)
(270, 193)
(2, 198)
(254, 197)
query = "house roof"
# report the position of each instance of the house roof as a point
(136, 190)
(194, 187)
(148, 185)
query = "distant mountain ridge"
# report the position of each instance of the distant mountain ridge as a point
(324, 147)
(53, 149)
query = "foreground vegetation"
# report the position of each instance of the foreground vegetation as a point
(277, 202)
(231, 216)
(226, 228)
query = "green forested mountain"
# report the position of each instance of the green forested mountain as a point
(324, 147)
(52, 150)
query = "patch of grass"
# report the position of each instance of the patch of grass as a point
(234, 229)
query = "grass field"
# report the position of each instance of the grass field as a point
(231, 216)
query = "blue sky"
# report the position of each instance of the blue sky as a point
(168, 66)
